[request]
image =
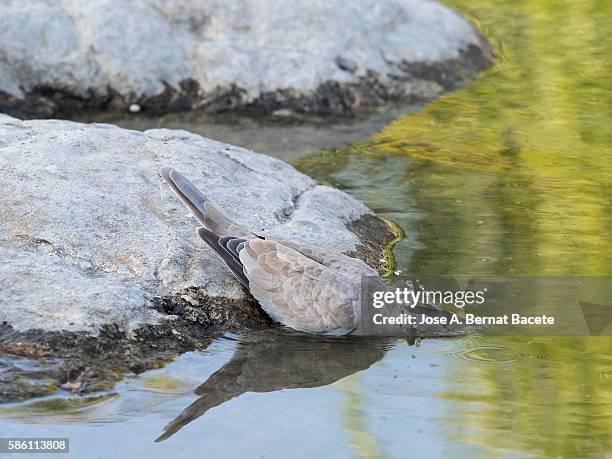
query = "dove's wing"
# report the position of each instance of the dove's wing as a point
(334, 260)
(297, 291)
(227, 248)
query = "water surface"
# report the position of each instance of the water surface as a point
(510, 176)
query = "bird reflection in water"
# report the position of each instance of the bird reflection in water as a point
(271, 360)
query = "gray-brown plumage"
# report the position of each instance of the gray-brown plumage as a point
(301, 286)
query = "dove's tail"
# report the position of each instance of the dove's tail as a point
(211, 217)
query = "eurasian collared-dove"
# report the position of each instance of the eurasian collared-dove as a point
(301, 286)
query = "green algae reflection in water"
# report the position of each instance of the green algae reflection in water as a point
(510, 175)
(521, 159)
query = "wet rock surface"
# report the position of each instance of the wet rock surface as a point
(37, 363)
(101, 271)
(323, 58)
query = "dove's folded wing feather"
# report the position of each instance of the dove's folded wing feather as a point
(220, 245)
(297, 291)
(334, 260)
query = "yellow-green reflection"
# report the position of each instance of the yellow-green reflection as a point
(165, 384)
(64, 409)
(553, 401)
(510, 175)
(363, 443)
(515, 170)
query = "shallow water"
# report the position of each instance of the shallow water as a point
(510, 175)
(287, 138)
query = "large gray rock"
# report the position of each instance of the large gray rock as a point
(89, 233)
(321, 56)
